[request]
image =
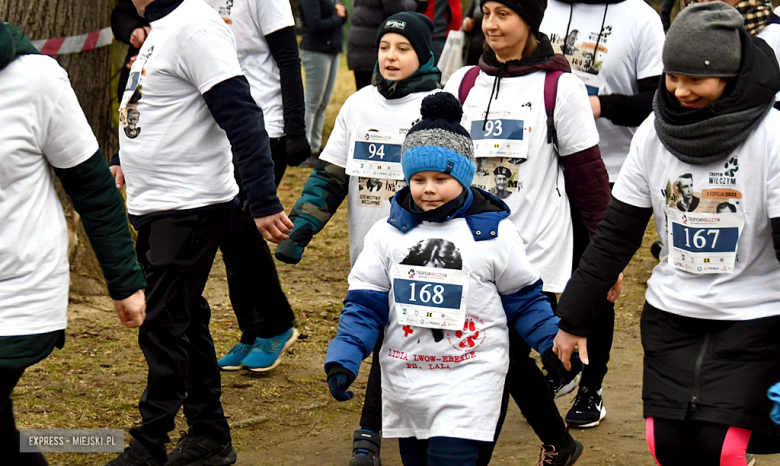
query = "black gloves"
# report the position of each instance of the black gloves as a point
(339, 379)
(297, 149)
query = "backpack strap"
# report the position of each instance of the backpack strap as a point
(550, 92)
(773, 19)
(467, 83)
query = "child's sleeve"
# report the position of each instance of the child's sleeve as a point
(325, 190)
(366, 307)
(520, 287)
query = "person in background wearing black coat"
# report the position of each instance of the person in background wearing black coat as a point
(322, 41)
(472, 26)
(130, 28)
(367, 16)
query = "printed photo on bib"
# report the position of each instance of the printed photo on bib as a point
(703, 228)
(580, 50)
(371, 192)
(129, 115)
(375, 154)
(498, 175)
(392, 187)
(503, 134)
(430, 288)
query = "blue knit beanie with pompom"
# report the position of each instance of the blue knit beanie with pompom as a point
(439, 142)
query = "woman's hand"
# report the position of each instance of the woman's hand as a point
(468, 24)
(341, 10)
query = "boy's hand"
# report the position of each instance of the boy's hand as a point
(275, 227)
(339, 380)
(338, 384)
(131, 310)
(119, 176)
(564, 345)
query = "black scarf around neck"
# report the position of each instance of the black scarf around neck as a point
(705, 135)
(440, 214)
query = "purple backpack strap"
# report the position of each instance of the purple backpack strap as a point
(467, 83)
(550, 92)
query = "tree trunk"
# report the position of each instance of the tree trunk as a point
(89, 74)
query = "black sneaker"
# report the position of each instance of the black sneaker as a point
(135, 455)
(199, 450)
(365, 448)
(561, 381)
(551, 456)
(587, 410)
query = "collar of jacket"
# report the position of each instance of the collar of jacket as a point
(482, 211)
(593, 2)
(13, 43)
(544, 59)
(159, 9)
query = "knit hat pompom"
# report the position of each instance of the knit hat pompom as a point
(704, 41)
(435, 106)
(439, 142)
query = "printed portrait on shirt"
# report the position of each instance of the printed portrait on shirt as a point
(716, 193)
(498, 175)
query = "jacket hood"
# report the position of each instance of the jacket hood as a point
(482, 211)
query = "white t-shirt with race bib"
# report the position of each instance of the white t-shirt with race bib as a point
(41, 125)
(446, 381)
(366, 114)
(719, 215)
(771, 34)
(174, 155)
(630, 49)
(251, 21)
(532, 185)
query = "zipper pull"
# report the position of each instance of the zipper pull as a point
(693, 403)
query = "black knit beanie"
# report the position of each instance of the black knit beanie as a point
(416, 27)
(532, 11)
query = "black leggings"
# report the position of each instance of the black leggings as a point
(683, 443)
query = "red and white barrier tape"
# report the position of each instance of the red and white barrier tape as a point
(75, 44)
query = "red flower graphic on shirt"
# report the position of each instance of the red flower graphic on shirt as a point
(470, 337)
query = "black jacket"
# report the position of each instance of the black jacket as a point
(367, 16)
(322, 27)
(125, 20)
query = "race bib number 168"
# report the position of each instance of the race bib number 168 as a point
(430, 297)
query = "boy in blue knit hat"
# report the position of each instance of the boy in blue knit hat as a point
(444, 276)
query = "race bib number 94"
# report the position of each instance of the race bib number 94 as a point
(375, 155)
(430, 297)
(704, 242)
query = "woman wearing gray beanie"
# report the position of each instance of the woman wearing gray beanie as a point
(707, 166)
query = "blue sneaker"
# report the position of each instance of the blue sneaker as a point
(232, 360)
(266, 353)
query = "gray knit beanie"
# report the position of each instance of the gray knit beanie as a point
(704, 41)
